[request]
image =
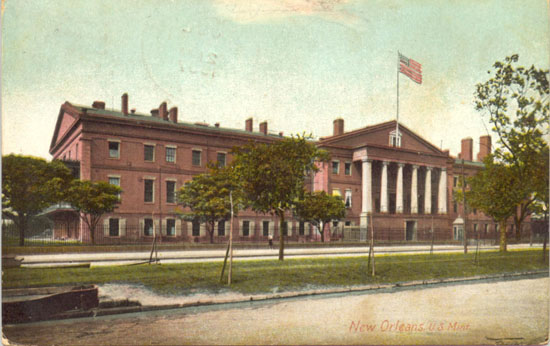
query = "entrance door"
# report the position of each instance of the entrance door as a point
(410, 230)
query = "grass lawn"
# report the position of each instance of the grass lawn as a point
(292, 274)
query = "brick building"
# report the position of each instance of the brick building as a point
(399, 179)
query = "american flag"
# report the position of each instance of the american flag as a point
(410, 68)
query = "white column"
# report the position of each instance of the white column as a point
(366, 188)
(428, 191)
(399, 193)
(442, 202)
(384, 188)
(414, 190)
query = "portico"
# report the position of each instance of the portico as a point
(397, 187)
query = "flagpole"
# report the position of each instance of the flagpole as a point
(397, 121)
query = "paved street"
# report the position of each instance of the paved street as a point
(505, 312)
(185, 256)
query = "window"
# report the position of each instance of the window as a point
(475, 211)
(336, 192)
(246, 228)
(335, 224)
(455, 181)
(196, 160)
(455, 207)
(171, 227)
(221, 159)
(348, 198)
(475, 228)
(347, 168)
(170, 191)
(148, 190)
(114, 150)
(347, 223)
(486, 229)
(148, 227)
(221, 227)
(395, 139)
(113, 227)
(265, 227)
(196, 229)
(301, 228)
(76, 152)
(285, 228)
(115, 181)
(335, 167)
(170, 154)
(149, 152)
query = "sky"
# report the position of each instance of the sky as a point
(298, 64)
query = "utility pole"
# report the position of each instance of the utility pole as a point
(230, 241)
(433, 236)
(465, 236)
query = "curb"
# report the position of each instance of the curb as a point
(285, 295)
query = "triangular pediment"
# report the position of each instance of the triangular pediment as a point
(380, 136)
(65, 121)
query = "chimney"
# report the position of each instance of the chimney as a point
(466, 150)
(133, 110)
(174, 114)
(263, 127)
(217, 124)
(155, 112)
(338, 127)
(163, 113)
(124, 106)
(484, 147)
(248, 125)
(281, 134)
(98, 104)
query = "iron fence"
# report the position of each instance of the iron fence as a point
(134, 233)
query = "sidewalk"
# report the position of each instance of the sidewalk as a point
(167, 256)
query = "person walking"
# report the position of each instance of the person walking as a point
(270, 238)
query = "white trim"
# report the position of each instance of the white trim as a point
(118, 151)
(154, 151)
(200, 163)
(224, 158)
(332, 167)
(350, 197)
(175, 181)
(153, 192)
(350, 168)
(175, 153)
(178, 228)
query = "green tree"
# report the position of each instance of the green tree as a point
(516, 101)
(494, 191)
(320, 208)
(29, 185)
(272, 175)
(207, 195)
(92, 200)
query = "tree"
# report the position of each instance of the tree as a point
(516, 101)
(272, 175)
(92, 200)
(493, 190)
(320, 208)
(207, 195)
(29, 185)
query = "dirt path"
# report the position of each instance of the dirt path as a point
(508, 312)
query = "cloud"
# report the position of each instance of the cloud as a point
(246, 12)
